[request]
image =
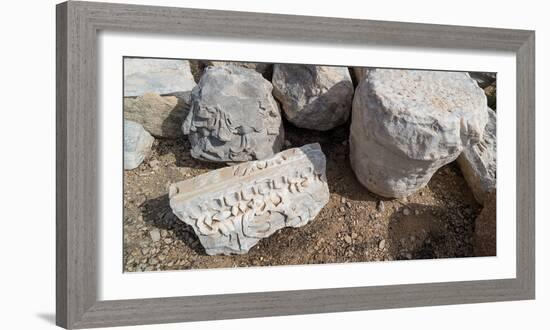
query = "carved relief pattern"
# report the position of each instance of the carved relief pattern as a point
(229, 124)
(235, 217)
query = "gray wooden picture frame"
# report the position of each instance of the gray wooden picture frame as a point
(77, 151)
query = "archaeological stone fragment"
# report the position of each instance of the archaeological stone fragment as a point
(137, 144)
(233, 116)
(160, 76)
(478, 162)
(232, 208)
(406, 124)
(313, 97)
(160, 115)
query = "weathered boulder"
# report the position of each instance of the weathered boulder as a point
(265, 69)
(162, 116)
(313, 97)
(408, 123)
(485, 232)
(233, 117)
(478, 162)
(160, 76)
(232, 208)
(137, 144)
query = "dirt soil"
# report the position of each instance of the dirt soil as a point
(355, 226)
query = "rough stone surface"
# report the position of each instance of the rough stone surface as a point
(233, 117)
(313, 97)
(478, 162)
(265, 69)
(162, 116)
(232, 208)
(137, 144)
(360, 73)
(160, 76)
(485, 240)
(406, 124)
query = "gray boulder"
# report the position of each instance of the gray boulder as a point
(233, 116)
(137, 144)
(313, 97)
(232, 208)
(160, 76)
(406, 124)
(162, 116)
(478, 162)
(265, 69)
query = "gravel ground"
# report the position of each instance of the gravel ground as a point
(355, 226)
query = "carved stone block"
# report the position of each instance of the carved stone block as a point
(137, 144)
(233, 117)
(232, 208)
(478, 162)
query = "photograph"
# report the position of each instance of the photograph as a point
(239, 164)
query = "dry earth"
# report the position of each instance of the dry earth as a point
(355, 226)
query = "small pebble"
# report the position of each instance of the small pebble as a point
(416, 212)
(343, 200)
(347, 238)
(380, 206)
(342, 209)
(155, 235)
(406, 211)
(382, 244)
(348, 204)
(354, 235)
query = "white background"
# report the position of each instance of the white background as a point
(27, 163)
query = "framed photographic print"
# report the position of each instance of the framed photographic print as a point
(217, 165)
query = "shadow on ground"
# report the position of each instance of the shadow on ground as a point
(428, 232)
(157, 212)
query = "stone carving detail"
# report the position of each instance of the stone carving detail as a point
(232, 208)
(233, 116)
(406, 124)
(478, 162)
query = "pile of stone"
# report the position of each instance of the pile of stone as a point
(405, 125)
